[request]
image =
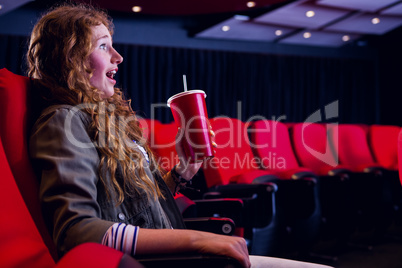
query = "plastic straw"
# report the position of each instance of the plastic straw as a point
(185, 82)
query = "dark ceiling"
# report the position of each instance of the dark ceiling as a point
(328, 23)
(182, 7)
(158, 7)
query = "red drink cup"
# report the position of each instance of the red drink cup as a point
(190, 113)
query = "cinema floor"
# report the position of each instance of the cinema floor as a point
(384, 253)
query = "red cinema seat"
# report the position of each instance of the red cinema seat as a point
(22, 245)
(382, 141)
(234, 161)
(271, 144)
(148, 126)
(373, 183)
(298, 186)
(313, 149)
(163, 144)
(25, 240)
(13, 132)
(400, 155)
(289, 125)
(350, 144)
(231, 173)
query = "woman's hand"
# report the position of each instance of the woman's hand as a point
(184, 168)
(168, 241)
(231, 246)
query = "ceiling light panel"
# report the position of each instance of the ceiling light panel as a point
(319, 38)
(365, 23)
(364, 5)
(237, 28)
(9, 5)
(395, 10)
(299, 14)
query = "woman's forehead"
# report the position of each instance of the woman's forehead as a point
(100, 31)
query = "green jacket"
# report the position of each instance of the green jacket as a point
(74, 201)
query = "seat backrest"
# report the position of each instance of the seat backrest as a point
(270, 142)
(21, 244)
(312, 148)
(148, 126)
(233, 155)
(14, 115)
(383, 141)
(350, 142)
(163, 144)
(365, 127)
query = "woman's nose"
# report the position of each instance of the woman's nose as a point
(116, 57)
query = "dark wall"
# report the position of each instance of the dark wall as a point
(246, 85)
(390, 78)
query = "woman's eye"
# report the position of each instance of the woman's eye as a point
(103, 46)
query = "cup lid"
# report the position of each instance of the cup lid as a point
(185, 93)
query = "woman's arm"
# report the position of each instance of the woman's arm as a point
(135, 241)
(151, 241)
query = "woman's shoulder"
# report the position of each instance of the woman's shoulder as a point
(65, 123)
(59, 118)
(65, 112)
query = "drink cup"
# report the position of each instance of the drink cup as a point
(190, 114)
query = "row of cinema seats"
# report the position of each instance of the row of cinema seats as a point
(360, 188)
(267, 215)
(300, 182)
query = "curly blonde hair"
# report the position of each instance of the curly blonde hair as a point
(58, 53)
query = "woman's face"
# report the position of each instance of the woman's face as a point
(104, 60)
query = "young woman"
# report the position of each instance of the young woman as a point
(99, 180)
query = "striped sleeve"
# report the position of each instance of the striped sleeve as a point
(122, 237)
